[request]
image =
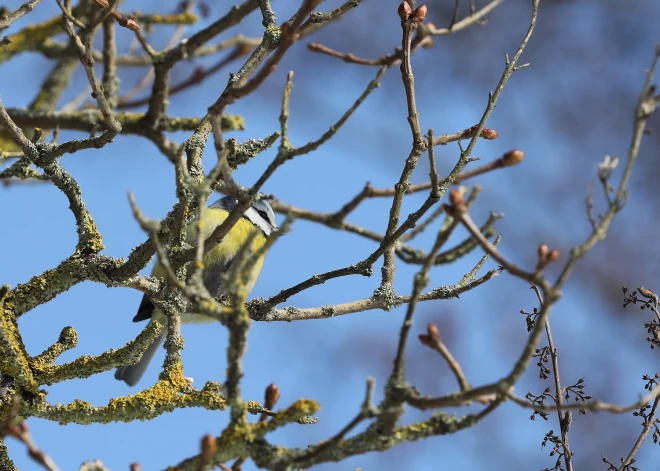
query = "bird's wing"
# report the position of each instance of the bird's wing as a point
(144, 311)
(213, 277)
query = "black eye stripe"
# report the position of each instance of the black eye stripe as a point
(263, 214)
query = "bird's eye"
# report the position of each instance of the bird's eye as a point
(263, 215)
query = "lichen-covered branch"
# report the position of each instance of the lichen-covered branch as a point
(131, 123)
(85, 366)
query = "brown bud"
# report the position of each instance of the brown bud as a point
(129, 23)
(420, 13)
(512, 157)
(425, 339)
(456, 198)
(136, 467)
(209, 447)
(404, 10)
(553, 256)
(489, 134)
(272, 395)
(543, 251)
(432, 331)
(132, 24)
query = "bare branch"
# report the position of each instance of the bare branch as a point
(21, 11)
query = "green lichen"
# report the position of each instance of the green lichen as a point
(44, 287)
(386, 297)
(328, 311)
(273, 34)
(86, 366)
(90, 240)
(13, 356)
(6, 464)
(163, 397)
(186, 18)
(240, 154)
(68, 339)
(292, 311)
(443, 292)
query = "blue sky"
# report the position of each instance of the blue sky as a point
(572, 106)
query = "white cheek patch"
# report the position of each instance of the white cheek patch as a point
(254, 217)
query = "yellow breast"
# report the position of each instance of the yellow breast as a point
(225, 251)
(242, 231)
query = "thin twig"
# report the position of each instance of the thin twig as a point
(432, 340)
(564, 417)
(367, 411)
(285, 144)
(346, 57)
(285, 154)
(474, 17)
(21, 432)
(21, 11)
(198, 75)
(260, 311)
(645, 108)
(125, 22)
(421, 280)
(409, 24)
(648, 425)
(462, 215)
(423, 38)
(84, 51)
(593, 406)
(369, 192)
(241, 86)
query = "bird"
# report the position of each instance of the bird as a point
(257, 223)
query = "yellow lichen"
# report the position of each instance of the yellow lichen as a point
(13, 356)
(186, 18)
(30, 37)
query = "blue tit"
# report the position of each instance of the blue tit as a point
(257, 223)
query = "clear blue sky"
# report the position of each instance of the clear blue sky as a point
(571, 107)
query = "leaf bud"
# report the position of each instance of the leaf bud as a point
(209, 447)
(513, 157)
(404, 10)
(456, 198)
(272, 395)
(420, 13)
(432, 331)
(543, 251)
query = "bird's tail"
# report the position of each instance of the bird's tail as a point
(131, 374)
